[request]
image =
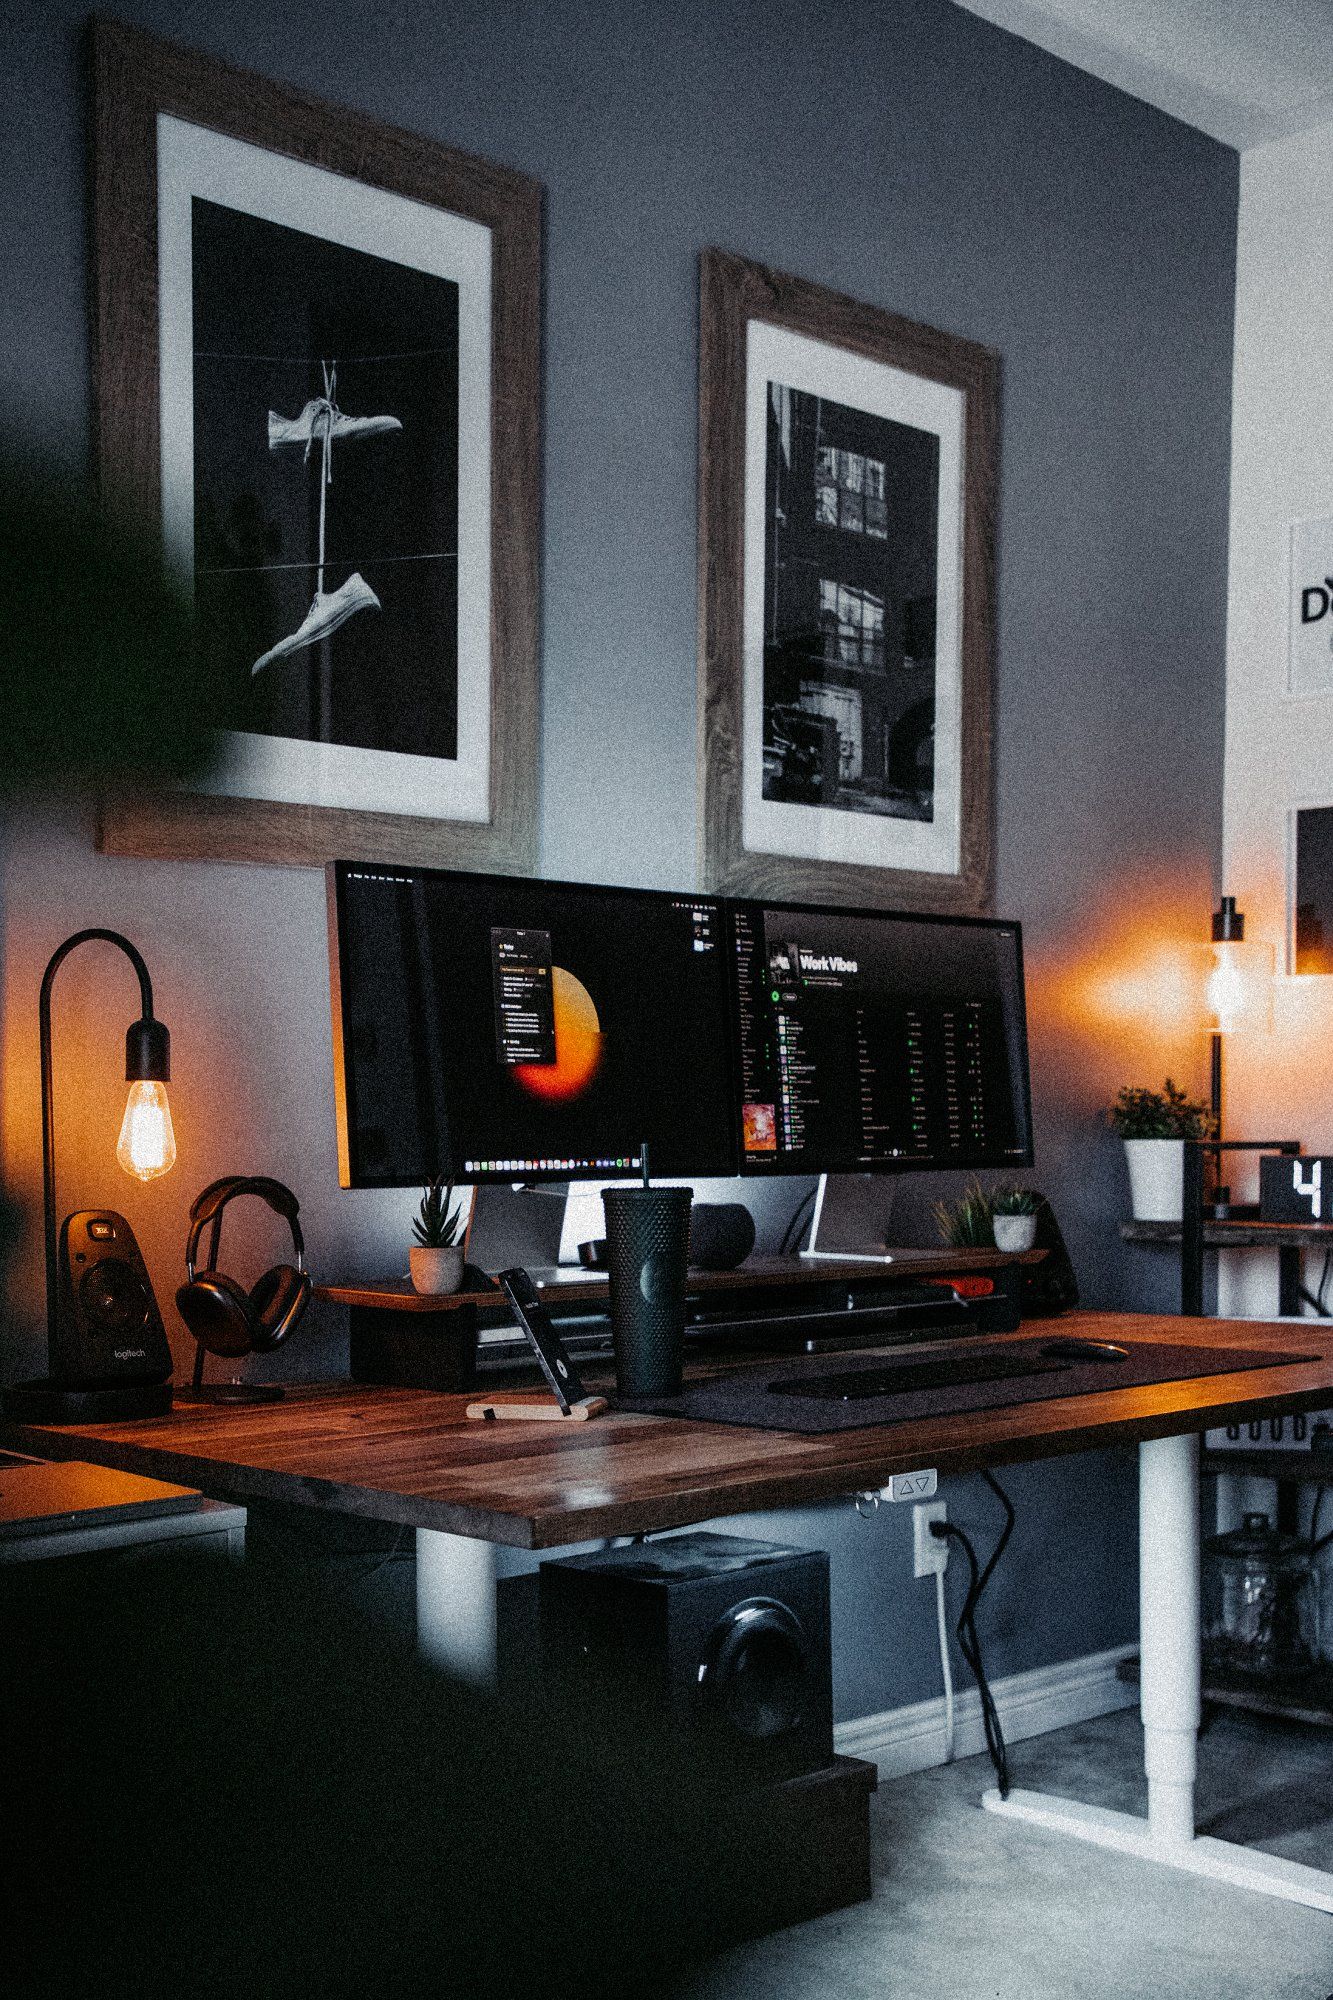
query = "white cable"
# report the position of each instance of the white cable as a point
(945, 1666)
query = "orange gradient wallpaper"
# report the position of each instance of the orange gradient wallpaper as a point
(578, 1045)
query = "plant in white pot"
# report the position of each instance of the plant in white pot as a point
(1014, 1217)
(436, 1258)
(1154, 1125)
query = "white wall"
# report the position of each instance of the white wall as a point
(1279, 750)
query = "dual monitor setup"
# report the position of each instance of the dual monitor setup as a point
(500, 1029)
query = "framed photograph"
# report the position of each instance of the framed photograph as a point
(317, 360)
(1310, 891)
(846, 582)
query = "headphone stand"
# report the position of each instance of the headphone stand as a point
(200, 1391)
(232, 1392)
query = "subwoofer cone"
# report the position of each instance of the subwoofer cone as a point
(757, 1669)
(114, 1296)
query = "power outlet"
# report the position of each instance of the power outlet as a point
(929, 1555)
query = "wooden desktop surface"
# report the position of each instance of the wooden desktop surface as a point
(410, 1456)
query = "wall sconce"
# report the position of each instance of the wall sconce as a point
(1239, 992)
(107, 1348)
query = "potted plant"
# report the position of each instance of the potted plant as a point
(1154, 1125)
(1014, 1217)
(436, 1258)
(967, 1223)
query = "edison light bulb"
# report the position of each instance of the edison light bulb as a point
(1239, 993)
(147, 1144)
(1228, 995)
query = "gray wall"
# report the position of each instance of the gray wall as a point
(907, 153)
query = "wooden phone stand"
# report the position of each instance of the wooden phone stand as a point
(545, 1410)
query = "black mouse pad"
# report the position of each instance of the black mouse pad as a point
(822, 1392)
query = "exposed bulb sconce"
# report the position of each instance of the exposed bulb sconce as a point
(1239, 997)
(1239, 992)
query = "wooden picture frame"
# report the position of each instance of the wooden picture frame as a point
(749, 314)
(141, 84)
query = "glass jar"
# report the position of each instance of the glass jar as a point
(1260, 1601)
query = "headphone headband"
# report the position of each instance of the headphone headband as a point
(209, 1203)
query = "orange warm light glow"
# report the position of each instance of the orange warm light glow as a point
(578, 1044)
(1122, 1001)
(1150, 982)
(147, 1143)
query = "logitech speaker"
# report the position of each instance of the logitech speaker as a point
(726, 1640)
(107, 1328)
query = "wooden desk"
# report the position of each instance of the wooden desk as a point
(410, 1456)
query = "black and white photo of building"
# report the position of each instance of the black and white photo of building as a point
(851, 530)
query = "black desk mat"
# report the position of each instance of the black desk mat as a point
(922, 1383)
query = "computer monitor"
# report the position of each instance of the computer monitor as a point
(877, 1042)
(498, 1029)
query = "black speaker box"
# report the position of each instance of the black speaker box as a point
(727, 1639)
(721, 1235)
(108, 1330)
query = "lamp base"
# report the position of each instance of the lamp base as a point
(52, 1402)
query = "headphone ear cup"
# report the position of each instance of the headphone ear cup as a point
(276, 1303)
(217, 1311)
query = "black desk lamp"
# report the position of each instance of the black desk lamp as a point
(107, 1348)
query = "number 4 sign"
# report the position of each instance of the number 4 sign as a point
(1295, 1190)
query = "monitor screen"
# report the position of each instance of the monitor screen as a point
(493, 1028)
(871, 1042)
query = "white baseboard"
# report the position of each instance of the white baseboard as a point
(912, 1738)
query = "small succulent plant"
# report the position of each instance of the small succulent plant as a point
(438, 1225)
(1014, 1200)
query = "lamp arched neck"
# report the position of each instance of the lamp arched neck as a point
(132, 953)
(146, 1032)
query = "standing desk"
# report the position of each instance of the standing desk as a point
(410, 1457)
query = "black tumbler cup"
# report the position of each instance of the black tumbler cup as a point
(647, 1255)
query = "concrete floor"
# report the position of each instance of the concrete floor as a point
(968, 1907)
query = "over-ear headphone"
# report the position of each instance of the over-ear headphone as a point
(222, 1315)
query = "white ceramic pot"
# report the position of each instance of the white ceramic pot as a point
(1014, 1232)
(436, 1271)
(1156, 1169)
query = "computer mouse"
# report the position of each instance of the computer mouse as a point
(1083, 1350)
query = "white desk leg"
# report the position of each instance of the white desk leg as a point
(1171, 1670)
(456, 1604)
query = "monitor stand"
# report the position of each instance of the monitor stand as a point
(848, 1219)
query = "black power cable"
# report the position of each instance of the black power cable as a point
(968, 1642)
(790, 1235)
